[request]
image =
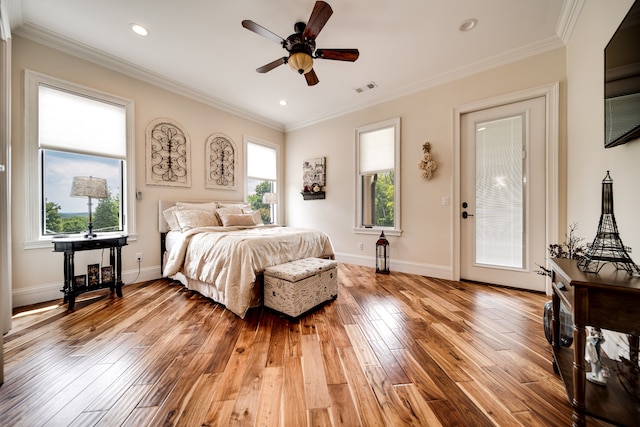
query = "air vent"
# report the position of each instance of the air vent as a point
(366, 87)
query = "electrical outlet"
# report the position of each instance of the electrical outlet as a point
(360, 246)
(139, 257)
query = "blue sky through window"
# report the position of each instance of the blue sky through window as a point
(60, 168)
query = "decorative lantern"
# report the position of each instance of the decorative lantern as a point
(382, 255)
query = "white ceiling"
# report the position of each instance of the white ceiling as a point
(199, 48)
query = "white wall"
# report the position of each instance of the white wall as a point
(37, 273)
(588, 159)
(425, 246)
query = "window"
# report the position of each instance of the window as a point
(378, 177)
(76, 131)
(262, 178)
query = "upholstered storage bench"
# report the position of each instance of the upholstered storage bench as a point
(296, 287)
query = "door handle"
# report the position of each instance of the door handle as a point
(465, 214)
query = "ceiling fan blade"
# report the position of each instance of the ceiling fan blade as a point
(271, 65)
(259, 29)
(312, 78)
(319, 16)
(338, 54)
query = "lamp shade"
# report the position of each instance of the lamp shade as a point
(88, 186)
(301, 62)
(269, 198)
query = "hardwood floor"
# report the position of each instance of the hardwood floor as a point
(390, 351)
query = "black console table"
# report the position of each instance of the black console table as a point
(609, 300)
(70, 245)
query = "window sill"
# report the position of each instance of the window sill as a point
(378, 230)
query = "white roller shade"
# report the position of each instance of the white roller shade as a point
(261, 162)
(72, 122)
(377, 150)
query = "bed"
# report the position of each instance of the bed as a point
(220, 249)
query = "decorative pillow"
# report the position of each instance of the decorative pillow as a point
(194, 218)
(170, 217)
(230, 219)
(229, 211)
(257, 218)
(206, 206)
(241, 206)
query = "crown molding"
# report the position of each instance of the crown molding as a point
(568, 17)
(503, 58)
(72, 47)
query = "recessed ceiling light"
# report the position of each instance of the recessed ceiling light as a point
(283, 102)
(139, 30)
(468, 24)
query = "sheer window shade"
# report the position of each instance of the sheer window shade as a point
(70, 122)
(261, 162)
(377, 150)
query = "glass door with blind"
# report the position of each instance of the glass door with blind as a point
(503, 194)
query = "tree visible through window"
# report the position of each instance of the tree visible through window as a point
(66, 214)
(262, 178)
(76, 131)
(377, 147)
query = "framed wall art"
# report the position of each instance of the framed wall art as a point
(313, 178)
(93, 274)
(221, 159)
(314, 172)
(168, 154)
(80, 281)
(107, 274)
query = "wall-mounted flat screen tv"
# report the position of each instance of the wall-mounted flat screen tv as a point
(622, 81)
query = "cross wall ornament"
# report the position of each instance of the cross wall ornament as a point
(220, 162)
(168, 153)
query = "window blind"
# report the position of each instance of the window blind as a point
(261, 162)
(377, 150)
(71, 122)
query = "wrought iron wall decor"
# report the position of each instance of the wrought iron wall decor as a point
(168, 154)
(220, 162)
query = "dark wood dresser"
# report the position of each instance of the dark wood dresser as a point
(608, 300)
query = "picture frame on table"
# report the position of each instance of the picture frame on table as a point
(107, 274)
(80, 281)
(93, 274)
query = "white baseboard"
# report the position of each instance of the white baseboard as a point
(52, 291)
(428, 270)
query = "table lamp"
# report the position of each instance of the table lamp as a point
(88, 186)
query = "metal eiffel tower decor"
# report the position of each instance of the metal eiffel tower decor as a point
(607, 245)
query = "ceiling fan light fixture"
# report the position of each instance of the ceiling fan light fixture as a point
(300, 62)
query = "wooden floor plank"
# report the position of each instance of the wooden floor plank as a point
(316, 392)
(395, 349)
(270, 405)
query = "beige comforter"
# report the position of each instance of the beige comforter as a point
(231, 257)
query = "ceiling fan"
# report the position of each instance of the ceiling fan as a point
(301, 45)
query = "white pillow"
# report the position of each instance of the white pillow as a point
(194, 218)
(241, 206)
(207, 206)
(170, 217)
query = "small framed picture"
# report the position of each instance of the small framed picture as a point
(107, 274)
(93, 274)
(80, 282)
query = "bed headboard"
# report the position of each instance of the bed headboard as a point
(164, 204)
